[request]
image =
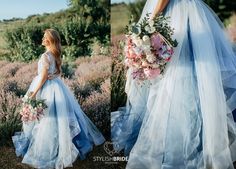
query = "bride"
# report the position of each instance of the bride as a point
(189, 123)
(64, 133)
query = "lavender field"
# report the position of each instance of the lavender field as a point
(87, 77)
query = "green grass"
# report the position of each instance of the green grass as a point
(119, 18)
(8, 160)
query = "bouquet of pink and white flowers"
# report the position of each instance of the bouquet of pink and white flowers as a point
(149, 47)
(32, 109)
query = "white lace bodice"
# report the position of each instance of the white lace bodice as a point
(47, 60)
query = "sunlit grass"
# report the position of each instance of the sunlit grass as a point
(119, 18)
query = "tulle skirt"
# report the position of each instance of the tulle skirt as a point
(126, 122)
(189, 122)
(62, 135)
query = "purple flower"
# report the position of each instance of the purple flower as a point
(156, 41)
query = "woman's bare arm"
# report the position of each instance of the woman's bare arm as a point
(159, 7)
(44, 76)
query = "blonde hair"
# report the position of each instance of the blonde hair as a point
(55, 46)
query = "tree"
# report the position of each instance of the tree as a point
(96, 13)
(223, 8)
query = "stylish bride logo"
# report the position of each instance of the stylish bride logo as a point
(109, 148)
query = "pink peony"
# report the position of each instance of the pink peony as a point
(151, 73)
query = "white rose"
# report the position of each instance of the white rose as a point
(146, 40)
(151, 58)
(139, 42)
(147, 28)
(152, 29)
(155, 66)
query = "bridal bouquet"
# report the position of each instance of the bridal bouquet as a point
(32, 109)
(149, 47)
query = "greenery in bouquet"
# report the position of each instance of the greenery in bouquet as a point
(32, 109)
(149, 46)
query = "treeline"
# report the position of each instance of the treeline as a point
(82, 24)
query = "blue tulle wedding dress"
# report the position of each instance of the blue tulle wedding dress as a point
(63, 134)
(189, 122)
(126, 122)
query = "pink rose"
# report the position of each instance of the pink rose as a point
(151, 73)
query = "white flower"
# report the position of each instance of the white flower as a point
(150, 29)
(146, 40)
(151, 58)
(147, 27)
(136, 40)
(25, 98)
(151, 23)
(155, 66)
(139, 42)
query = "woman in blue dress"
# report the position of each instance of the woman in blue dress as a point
(189, 123)
(64, 133)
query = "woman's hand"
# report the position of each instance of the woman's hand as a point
(32, 95)
(161, 5)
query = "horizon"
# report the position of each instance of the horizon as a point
(10, 9)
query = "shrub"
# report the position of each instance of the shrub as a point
(93, 72)
(9, 118)
(76, 33)
(72, 52)
(68, 69)
(97, 107)
(118, 75)
(9, 69)
(24, 42)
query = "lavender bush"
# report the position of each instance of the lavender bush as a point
(118, 77)
(9, 117)
(89, 81)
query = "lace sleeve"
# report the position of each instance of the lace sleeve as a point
(45, 61)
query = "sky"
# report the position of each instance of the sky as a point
(24, 8)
